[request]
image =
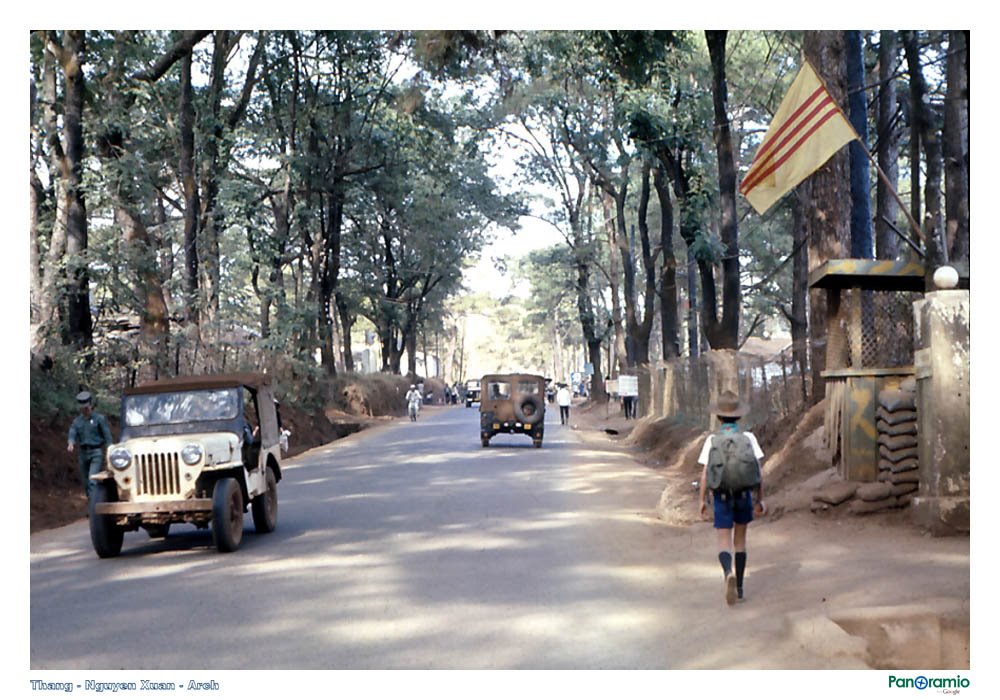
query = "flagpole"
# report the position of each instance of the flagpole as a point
(899, 200)
(885, 178)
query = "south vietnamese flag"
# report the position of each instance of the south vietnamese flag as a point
(807, 129)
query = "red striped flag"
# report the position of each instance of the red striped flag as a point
(807, 129)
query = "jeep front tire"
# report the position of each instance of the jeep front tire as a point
(105, 534)
(227, 515)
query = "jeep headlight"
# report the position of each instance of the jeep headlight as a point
(120, 458)
(191, 454)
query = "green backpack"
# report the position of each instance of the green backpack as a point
(732, 465)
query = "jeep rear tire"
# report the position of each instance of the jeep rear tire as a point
(529, 409)
(227, 515)
(105, 534)
(264, 507)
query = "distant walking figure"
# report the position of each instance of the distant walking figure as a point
(564, 399)
(413, 402)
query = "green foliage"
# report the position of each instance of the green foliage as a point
(363, 172)
(56, 379)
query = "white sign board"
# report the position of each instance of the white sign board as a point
(612, 387)
(628, 385)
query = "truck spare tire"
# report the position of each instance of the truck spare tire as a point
(529, 409)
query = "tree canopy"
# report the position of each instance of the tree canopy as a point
(204, 199)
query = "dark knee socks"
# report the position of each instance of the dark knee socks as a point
(726, 559)
(741, 566)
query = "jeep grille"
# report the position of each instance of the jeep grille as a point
(158, 474)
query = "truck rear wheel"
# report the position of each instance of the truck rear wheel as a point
(227, 515)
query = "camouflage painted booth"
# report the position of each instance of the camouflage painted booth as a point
(870, 364)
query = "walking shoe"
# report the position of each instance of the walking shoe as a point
(730, 589)
(739, 593)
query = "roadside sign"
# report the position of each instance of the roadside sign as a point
(588, 369)
(628, 385)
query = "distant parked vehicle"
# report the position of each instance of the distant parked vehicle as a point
(472, 392)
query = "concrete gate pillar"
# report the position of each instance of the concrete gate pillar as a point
(941, 363)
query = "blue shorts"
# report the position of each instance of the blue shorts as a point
(729, 508)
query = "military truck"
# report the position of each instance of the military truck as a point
(197, 450)
(512, 403)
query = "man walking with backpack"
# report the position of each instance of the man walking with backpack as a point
(731, 460)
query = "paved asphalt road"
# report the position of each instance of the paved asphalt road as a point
(408, 546)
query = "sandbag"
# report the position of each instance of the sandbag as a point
(897, 442)
(858, 507)
(837, 493)
(874, 491)
(904, 428)
(895, 417)
(895, 456)
(895, 400)
(910, 477)
(904, 465)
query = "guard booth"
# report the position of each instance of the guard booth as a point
(870, 332)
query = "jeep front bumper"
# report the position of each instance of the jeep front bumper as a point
(187, 505)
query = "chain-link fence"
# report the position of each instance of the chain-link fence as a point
(876, 330)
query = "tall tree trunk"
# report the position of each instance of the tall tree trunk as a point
(641, 329)
(956, 154)
(861, 220)
(189, 187)
(693, 325)
(887, 242)
(727, 333)
(912, 52)
(78, 321)
(614, 255)
(347, 320)
(593, 336)
(37, 196)
(668, 268)
(211, 216)
(926, 123)
(214, 163)
(154, 323)
(798, 318)
(828, 217)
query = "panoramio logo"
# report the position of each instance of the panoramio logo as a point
(929, 682)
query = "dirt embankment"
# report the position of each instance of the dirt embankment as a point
(796, 463)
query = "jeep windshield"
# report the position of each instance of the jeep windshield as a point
(174, 408)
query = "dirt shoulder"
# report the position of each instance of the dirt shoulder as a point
(866, 589)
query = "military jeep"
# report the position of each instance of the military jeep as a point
(196, 450)
(512, 403)
(471, 392)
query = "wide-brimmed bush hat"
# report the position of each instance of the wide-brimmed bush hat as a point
(728, 404)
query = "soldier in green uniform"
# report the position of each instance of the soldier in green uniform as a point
(92, 434)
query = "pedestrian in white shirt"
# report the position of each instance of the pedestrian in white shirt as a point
(564, 399)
